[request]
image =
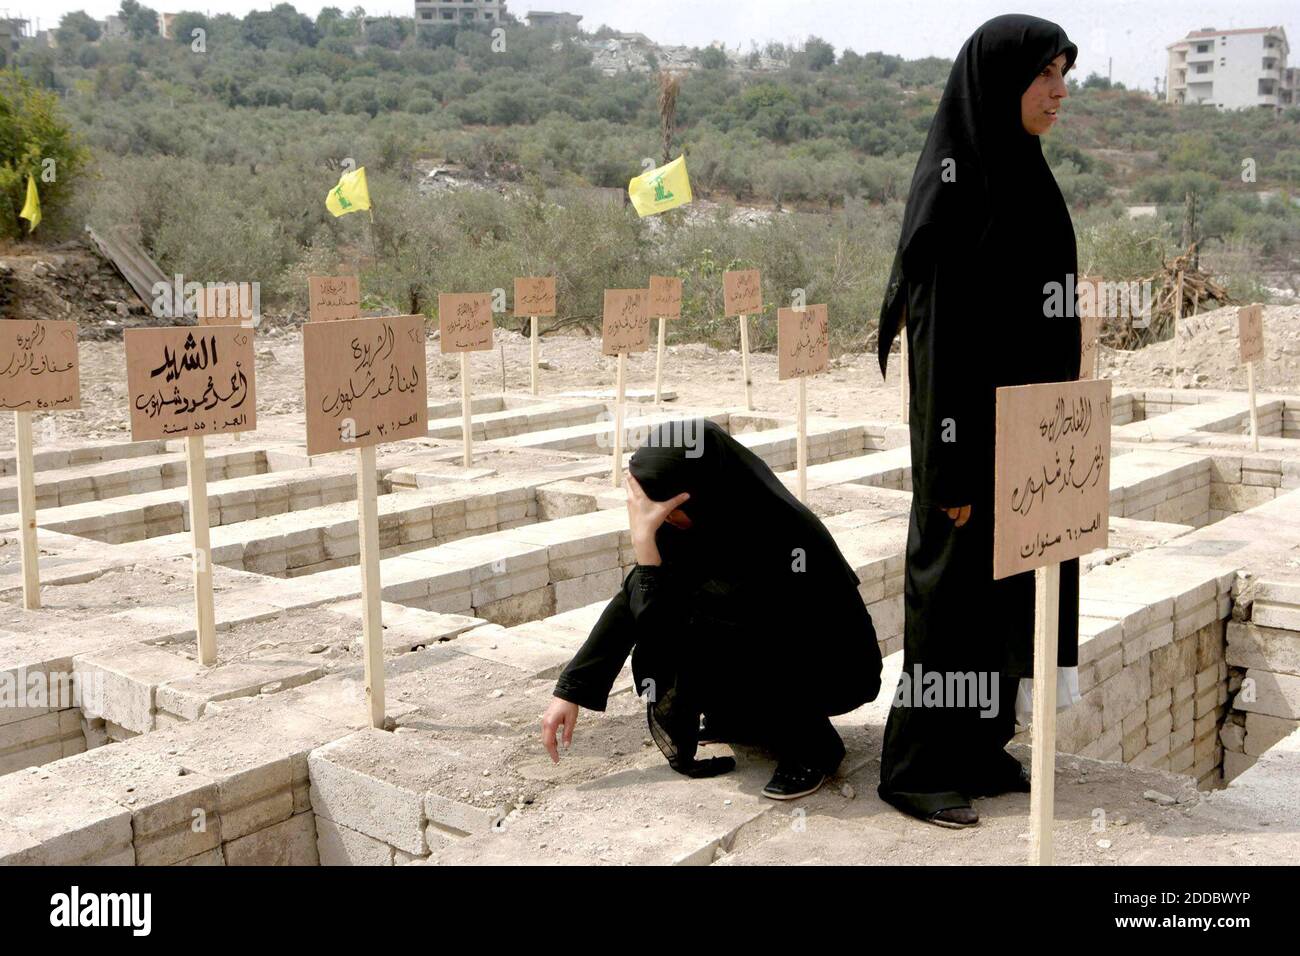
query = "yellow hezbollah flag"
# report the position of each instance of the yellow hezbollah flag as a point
(350, 195)
(661, 189)
(32, 208)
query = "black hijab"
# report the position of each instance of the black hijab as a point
(745, 524)
(981, 177)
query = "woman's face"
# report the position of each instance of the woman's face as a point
(1039, 103)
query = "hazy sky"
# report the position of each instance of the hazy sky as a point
(1134, 34)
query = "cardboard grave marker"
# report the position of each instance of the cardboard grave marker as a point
(226, 303)
(1250, 342)
(229, 303)
(742, 295)
(464, 326)
(1051, 504)
(333, 298)
(803, 349)
(39, 371)
(665, 303)
(191, 382)
(624, 327)
(365, 384)
(534, 297)
(1090, 298)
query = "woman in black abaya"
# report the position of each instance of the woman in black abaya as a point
(986, 241)
(741, 614)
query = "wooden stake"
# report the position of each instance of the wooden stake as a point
(744, 361)
(371, 589)
(1178, 314)
(1255, 411)
(466, 425)
(659, 364)
(532, 351)
(618, 421)
(27, 511)
(205, 618)
(1047, 601)
(801, 444)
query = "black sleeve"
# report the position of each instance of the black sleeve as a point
(650, 598)
(948, 376)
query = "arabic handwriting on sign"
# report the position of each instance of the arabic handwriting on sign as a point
(26, 358)
(535, 295)
(195, 356)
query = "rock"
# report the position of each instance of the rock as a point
(847, 791)
(1155, 796)
(1103, 844)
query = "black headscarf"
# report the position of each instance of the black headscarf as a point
(981, 177)
(745, 523)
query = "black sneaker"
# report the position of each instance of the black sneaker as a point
(792, 780)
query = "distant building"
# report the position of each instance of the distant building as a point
(557, 20)
(433, 13)
(113, 26)
(1231, 69)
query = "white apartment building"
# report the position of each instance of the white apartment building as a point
(1231, 69)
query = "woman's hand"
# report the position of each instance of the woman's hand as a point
(560, 716)
(645, 516)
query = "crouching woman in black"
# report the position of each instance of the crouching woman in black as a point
(743, 619)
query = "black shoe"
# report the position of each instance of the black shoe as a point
(958, 818)
(792, 780)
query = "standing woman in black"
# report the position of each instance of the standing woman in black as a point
(986, 239)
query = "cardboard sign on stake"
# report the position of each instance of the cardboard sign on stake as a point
(1090, 298)
(1250, 333)
(803, 349)
(226, 303)
(624, 327)
(187, 381)
(742, 295)
(39, 371)
(333, 298)
(464, 326)
(365, 385)
(665, 303)
(534, 296)
(1051, 503)
(190, 383)
(365, 382)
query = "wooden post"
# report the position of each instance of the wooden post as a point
(801, 444)
(532, 348)
(371, 590)
(205, 619)
(1047, 600)
(618, 421)
(27, 511)
(744, 361)
(904, 390)
(1255, 411)
(1178, 314)
(659, 363)
(466, 424)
